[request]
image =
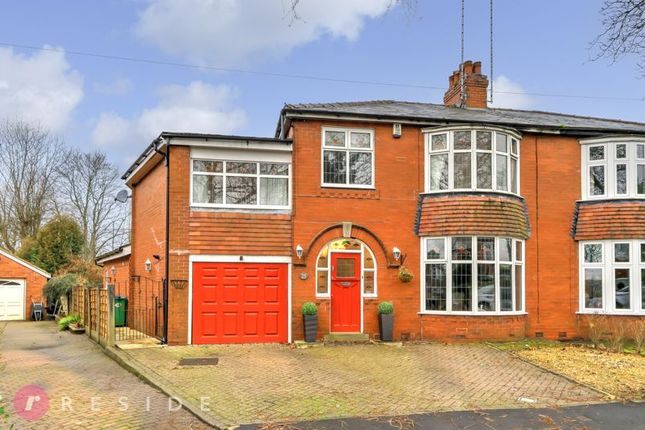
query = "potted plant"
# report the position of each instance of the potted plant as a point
(71, 323)
(310, 321)
(386, 321)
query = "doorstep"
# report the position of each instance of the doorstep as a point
(346, 338)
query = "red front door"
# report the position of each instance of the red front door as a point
(345, 292)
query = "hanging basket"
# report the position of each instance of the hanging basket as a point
(405, 275)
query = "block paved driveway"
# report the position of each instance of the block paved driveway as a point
(67, 365)
(274, 383)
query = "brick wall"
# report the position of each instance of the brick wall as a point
(121, 278)
(34, 282)
(148, 238)
(550, 184)
(388, 212)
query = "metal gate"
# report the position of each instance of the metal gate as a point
(138, 309)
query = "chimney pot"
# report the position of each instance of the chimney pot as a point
(468, 67)
(475, 87)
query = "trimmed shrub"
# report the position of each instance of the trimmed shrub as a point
(385, 308)
(309, 308)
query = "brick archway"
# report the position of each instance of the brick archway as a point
(358, 232)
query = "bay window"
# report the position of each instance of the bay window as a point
(613, 168)
(472, 159)
(240, 184)
(612, 277)
(472, 275)
(347, 158)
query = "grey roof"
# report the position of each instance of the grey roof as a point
(208, 136)
(433, 113)
(188, 135)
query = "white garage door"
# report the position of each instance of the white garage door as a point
(12, 299)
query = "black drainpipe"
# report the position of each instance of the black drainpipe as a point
(166, 156)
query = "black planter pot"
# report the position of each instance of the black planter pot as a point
(386, 326)
(310, 322)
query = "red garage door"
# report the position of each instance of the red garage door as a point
(239, 302)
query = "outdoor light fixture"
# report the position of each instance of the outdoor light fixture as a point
(299, 251)
(396, 252)
(148, 265)
(113, 270)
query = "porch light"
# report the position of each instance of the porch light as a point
(148, 265)
(396, 252)
(299, 251)
(113, 270)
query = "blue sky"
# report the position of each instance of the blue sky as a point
(119, 106)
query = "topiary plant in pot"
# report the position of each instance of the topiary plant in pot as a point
(386, 321)
(310, 321)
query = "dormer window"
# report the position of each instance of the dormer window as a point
(613, 168)
(472, 159)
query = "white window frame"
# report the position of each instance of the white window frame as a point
(257, 175)
(447, 260)
(362, 251)
(449, 131)
(347, 149)
(610, 162)
(608, 266)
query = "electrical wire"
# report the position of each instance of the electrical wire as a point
(293, 76)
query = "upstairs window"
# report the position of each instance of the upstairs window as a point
(613, 169)
(347, 158)
(240, 184)
(472, 159)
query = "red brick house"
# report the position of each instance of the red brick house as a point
(20, 283)
(514, 223)
(116, 266)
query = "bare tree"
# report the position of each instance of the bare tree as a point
(29, 160)
(89, 183)
(623, 30)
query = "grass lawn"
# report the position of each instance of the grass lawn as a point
(619, 374)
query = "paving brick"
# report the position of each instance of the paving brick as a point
(275, 383)
(67, 365)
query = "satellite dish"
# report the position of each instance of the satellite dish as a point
(122, 196)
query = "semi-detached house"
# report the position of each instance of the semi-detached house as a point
(514, 223)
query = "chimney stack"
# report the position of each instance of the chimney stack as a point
(475, 87)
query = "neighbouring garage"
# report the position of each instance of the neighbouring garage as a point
(21, 283)
(12, 299)
(239, 302)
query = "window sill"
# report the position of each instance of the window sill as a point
(472, 191)
(241, 208)
(348, 187)
(473, 314)
(613, 313)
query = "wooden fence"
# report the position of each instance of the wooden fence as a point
(95, 306)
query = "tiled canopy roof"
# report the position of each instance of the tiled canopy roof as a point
(620, 219)
(454, 214)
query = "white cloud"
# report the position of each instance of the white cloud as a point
(197, 107)
(509, 94)
(228, 32)
(41, 88)
(120, 87)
